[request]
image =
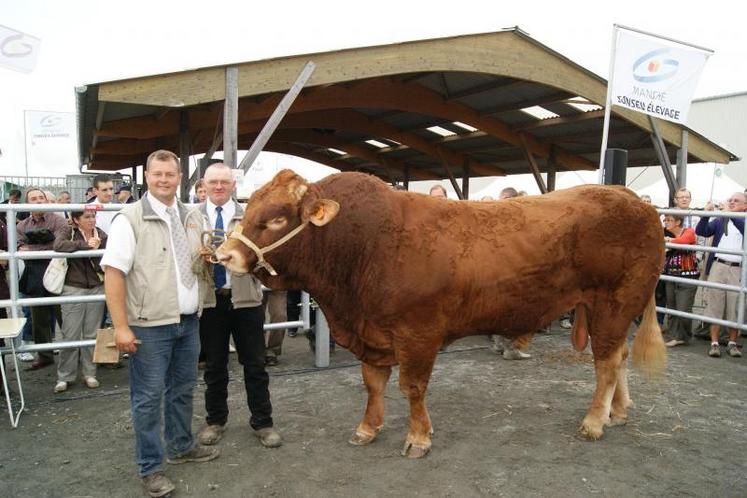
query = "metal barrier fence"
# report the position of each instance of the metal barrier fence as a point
(740, 289)
(13, 256)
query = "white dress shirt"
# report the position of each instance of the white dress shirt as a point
(120, 254)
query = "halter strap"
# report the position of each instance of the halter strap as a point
(260, 252)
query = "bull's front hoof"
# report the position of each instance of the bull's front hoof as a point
(591, 431)
(361, 439)
(411, 450)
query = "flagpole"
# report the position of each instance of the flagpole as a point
(607, 105)
(25, 143)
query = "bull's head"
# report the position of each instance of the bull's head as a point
(275, 214)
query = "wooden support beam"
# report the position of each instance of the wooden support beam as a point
(516, 106)
(465, 179)
(184, 152)
(661, 153)
(682, 161)
(231, 117)
(135, 190)
(533, 165)
(277, 115)
(544, 123)
(552, 169)
(450, 175)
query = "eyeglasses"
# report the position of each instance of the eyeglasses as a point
(737, 200)
(678, 197)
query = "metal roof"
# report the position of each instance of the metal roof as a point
(391, 94)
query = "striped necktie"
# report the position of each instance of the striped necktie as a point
(181, 249)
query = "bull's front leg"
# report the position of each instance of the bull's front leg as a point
(375, 379)
(413, 382)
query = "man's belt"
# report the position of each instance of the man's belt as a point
(223, 292)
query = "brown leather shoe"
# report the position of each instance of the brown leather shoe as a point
(269, 437)
(210, 434)
(157, 484)
(39, 363)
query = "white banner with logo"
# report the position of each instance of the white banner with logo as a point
(18, 51)
(655, 76)
(51, 144)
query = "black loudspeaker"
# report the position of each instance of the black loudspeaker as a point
(615, 166)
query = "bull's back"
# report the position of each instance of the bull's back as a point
(521, 262)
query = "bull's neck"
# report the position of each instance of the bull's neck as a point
(327, 261)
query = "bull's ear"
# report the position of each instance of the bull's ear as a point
(321, 211)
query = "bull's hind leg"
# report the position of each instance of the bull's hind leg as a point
(375, 379)
(621, 399)
(607, 367)
(413, 382)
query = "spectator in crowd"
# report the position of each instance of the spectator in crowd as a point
(508, 193)
(64, 198)
(511, 349)
(90, 195)
(723, 268)
(84, 277)
(682, 200)
(14, 197)
(200, 191)
(438, 191)
(155, 315)
(103, 187)
(124, 194)
(646, 198)
(233, 308)
(275, 305)
(684, 264)
(36, 233)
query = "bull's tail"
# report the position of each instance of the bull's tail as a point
(649, 351)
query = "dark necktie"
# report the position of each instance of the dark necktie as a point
(219, 271)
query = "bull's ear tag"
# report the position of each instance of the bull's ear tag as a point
(323, 211)
(238, 229)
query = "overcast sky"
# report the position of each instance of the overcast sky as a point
(86, 41)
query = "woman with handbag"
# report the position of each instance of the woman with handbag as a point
(83, 278)
(679, 263)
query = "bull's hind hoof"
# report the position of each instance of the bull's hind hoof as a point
(361, 439)
(615, 421)
(411, 450)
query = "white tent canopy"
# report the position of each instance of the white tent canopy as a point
(705, 182)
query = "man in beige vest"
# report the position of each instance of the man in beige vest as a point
(154, 297)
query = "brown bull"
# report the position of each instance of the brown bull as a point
(399, 274)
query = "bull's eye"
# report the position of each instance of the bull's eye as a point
(277, 223)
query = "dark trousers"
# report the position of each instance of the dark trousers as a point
(217, 325)
(43, 319)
